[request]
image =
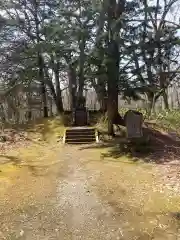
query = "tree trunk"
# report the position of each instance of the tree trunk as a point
(100, 88)
(103, 103)
(72, 86)
(81, 66)
(114, 11)
(40, 60)
(3, 115)
(29, 111)
(165, 99)
(53, 93)
(29, 115)
(59, 102)
(51, 108)
(150, 104)
(177, 98)
(43, 87)
(163, 80)
(44, 100)
(101, 93)
(102, 99)
(113, 77)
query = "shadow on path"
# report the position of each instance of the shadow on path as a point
(160, 147)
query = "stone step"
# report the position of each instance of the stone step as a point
(80, 135)
(80, 131)
(81, 140)
(79, 143)
(74, 136)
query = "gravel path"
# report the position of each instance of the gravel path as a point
(57, 199)
(84, 215)
(59, 205)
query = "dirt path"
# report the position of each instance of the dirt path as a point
(84, 214)
(73, 194)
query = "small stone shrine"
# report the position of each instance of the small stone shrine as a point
(133, 122)
(80, 113)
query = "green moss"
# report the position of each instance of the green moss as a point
(47, 129)
(138, 196)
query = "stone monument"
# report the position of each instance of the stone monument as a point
(80, 113)
(133, 122)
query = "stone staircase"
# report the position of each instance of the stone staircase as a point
(80, 135)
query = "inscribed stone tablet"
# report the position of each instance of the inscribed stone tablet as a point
(134, 122)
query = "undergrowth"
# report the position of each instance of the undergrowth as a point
(47, 129)
(162, 121)
(166, 120)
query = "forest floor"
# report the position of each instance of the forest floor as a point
(52, 191)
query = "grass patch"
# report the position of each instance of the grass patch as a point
(47, 129)
(134, 194)
(41, 147)
(143, 206)
(167, 120)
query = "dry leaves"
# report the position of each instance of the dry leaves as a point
(10, 139)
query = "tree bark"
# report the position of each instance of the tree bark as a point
(100, 89)
(165, 99)
(40, 61)
(59, 102)
(43, 86)
(113, 77)
(81, 66)
(44, 100)
(114, 11)
(102, 99)
(50, 84)
(101, 93)
(72, 86)
(150, 104)
(177, 98)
